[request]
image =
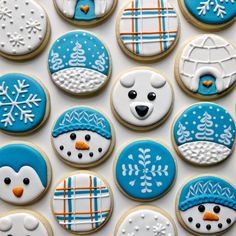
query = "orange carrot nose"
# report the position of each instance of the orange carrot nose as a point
(18, 191)
(209, 216)
(80, 145)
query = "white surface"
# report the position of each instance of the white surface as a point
(62, 101)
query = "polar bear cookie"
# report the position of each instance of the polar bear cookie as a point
(206, 67)
(82, 202)
(25, 173)
(147, 30)
(79, 63)
(206, 205)
(204, 134)
(83, 137)
(24, 29)
(142, 98)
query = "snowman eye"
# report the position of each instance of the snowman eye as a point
(7, 181)
(216, 209)
(201, 208)
(87, 137)
(73, 136)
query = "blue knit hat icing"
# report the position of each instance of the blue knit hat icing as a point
(207, 189)
(82, 118)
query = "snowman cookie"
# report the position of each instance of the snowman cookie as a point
(25, 173)
(206, 205)
(85, 12)
(206, 67)
(145, 170)
(82, 202)
(79, 63)
(204, 134)
(24, 104)
(24, 222)
(146, 220)
(83, 137)
(210, 15)
(147, 30)
(142, 98)
(24, 29)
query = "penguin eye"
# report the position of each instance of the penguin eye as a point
(73, 136)
(151, 96)
(87, 137)
(7, 181)
(216, 209)
(26, 181)
(201, 208)
(132, 94)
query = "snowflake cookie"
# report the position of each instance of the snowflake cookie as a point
(204, 134)
(146, 220)
(24, 104)
(79, 63)
(206, 205)
(145, 170)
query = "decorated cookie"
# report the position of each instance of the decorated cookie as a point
(85, 12)
(142, 98)
(145, 170)
(24, 222)
(82, 203)
(206, 68)
(146, 220)
(24, 104)
(148, 30)
(25, 173)
(204, 134)
(209, 14)
(79, 63)
(206, 205)
(83, 137)
(24, 29)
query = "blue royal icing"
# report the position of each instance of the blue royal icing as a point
(80, 15)
(145, 169)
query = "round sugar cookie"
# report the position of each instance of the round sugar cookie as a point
(146, 220)
(79, 63)
(206, 67)
(82, 202)
(144, 170)
(24, 29)
(24, 104)
(25, 173)
(206, 205)
(147, 30)
(204, 134)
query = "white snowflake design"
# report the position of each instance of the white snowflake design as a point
(159, 230)
(5, 13)
(33, 26)
(20, 90)
(17, 40)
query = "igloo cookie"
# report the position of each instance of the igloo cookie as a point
(25, 173)
(24, 29)
(142, 98)
(83, 137)
(79, 63)
(209, 14)
(206, 67)
(82, 202)
(144, 170)
(85, 12)
(147, 30)
(206, 205)
(204, 134)
(24, 104)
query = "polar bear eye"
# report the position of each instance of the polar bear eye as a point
(7, 181)
(132, 94)
(151, 96)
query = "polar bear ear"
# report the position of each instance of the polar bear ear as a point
(127, 81)
(31, 223)
(5, 224)
(157, 81)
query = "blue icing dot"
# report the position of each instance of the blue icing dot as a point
(145, 170)
(23, 103)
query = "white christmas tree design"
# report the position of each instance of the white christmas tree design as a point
(56, 61)
(226, 137)
(99, 63)
(77, 57)
(183, 133)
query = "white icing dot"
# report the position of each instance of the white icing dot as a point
(142, 216)
(136, 228)
(147, 227)
(130, 221)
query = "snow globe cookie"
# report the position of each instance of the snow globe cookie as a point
(144, 170)
(206, 205)
(25, 173)
(82, 202)
(24, 29)
(24, 104)
(147, 30)
(146, 220)
(79, 63)
(211, 15)
(204, 134)
(85, 12)
(206, 67)
(24, 222)
(142, 98)
(83, 137)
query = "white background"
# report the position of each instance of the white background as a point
(61, 101)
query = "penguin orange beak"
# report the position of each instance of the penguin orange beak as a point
(80, 145)
(18, 191)
(209, 216)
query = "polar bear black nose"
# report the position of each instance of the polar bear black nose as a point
(142, 110)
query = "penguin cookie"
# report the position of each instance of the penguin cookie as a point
(206, 205)
(25, 173)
